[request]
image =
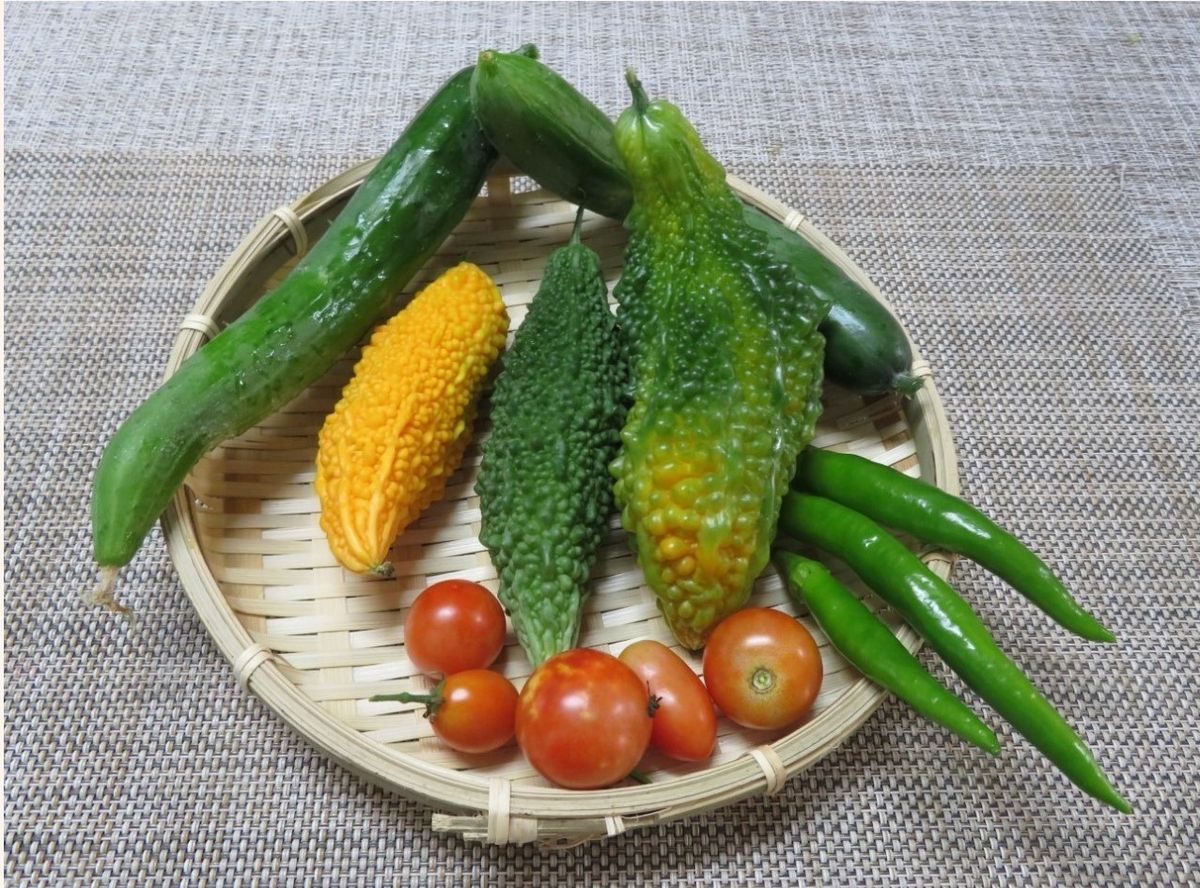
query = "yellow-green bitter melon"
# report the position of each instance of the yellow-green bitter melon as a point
(725, 358)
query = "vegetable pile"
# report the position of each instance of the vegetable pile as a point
(692, 411)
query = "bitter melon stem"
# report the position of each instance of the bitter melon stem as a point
(640, 100)
(575, 240)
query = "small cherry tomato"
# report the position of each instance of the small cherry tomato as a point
(762, 668)
(685, 723)
(453, 626)
(471, 711)
(583, 719)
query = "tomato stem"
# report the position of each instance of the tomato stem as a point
(638, 777)
(654, 703)
(762, 680)
(432, 700)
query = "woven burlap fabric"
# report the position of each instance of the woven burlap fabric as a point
(1042, 268)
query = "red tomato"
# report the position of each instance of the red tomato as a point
(474, 711)
(583, 720)
(454, 625)
(762, 668)
(685, 723)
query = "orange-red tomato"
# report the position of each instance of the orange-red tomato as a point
(685, 723)
(454, 625)
(583, 719)
(763, 668)
(475, 710)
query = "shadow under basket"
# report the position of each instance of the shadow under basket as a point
(315, 642)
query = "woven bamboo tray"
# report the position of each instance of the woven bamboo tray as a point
(314, 642)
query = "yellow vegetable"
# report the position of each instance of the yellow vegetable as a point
(404, 419)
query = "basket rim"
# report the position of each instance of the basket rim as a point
(443, 788)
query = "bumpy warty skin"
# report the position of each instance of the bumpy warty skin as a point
(726, 362)
(404, 420)
(544, 488)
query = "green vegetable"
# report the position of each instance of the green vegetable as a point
(908, 504)
(555, 135)
(544, 488)
(726, 364)
(947, 623)
(864, 640)
(565, 143)
(401, 213)
(866, 350)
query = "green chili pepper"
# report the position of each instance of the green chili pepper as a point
(869, 645)
(908, 504)
(947, 623)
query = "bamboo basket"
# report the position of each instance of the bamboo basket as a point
(314, 642)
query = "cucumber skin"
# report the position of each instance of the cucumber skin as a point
(551, 132)
(866, 350)
(511, 93)
(398, 217)
(565, 143)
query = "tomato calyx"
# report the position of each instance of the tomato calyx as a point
(432, 700)
(762, 680)
(653, 702)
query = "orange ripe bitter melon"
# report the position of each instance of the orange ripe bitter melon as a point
(405, 418)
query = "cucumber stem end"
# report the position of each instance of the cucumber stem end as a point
(907, 384)
(104, 593)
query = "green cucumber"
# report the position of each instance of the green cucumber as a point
(398, 217)
(557, 137)
(866, 349)
(551, 132)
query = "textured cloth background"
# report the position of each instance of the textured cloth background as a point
(1022, 181)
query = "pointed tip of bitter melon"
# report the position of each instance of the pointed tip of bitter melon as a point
(384, 569)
